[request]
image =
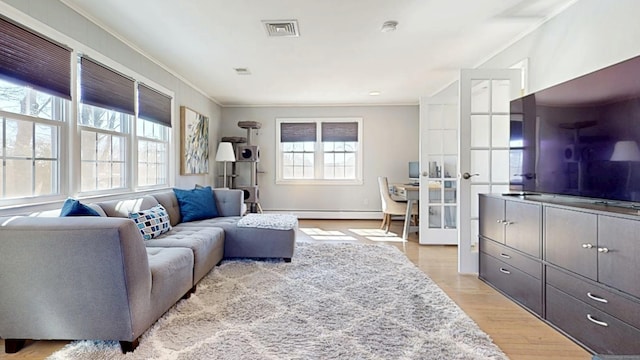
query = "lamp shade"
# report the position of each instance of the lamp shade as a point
(626, 151)
(225, 152)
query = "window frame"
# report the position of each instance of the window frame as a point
(319, 153)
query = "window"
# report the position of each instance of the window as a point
(108, 144)
(35, 86)
(334, 157)
(106, 108)
(154, 124)
(103, 148)
(340, 146)
(30, 128)
(153, 142)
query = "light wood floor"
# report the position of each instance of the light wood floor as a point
(518, 333)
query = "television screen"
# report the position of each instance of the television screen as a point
(580, 137)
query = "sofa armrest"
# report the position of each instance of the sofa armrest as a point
(73, 278)
(229, 201)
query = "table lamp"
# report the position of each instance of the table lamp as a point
(225, 153)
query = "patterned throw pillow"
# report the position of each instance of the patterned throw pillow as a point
(151, 222)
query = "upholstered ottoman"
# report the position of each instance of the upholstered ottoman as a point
(261, 236)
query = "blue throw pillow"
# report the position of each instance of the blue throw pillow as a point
(73, 207)
(196, 204)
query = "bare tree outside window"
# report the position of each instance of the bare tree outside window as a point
(30, 123)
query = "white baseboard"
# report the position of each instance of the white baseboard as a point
(338, 215)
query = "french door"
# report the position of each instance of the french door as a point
(483, 149)
(438, 171)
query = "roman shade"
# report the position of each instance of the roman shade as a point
(28, 58)
(339, 131)
(297, 132)
(106, 88)
(154, 105)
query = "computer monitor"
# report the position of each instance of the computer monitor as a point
(414, 171)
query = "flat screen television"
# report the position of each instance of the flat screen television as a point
(580, 137)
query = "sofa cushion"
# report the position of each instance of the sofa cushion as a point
(170, 202)
(151, 222)
(73, 207)
(196, 204)
(207, 244)
(122, 208)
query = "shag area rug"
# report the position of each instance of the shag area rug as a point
(333, 301)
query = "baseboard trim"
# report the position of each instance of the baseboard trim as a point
(333, 215)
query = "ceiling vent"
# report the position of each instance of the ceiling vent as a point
(279, 28)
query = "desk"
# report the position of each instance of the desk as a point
(411, 194)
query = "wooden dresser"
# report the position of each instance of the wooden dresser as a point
(574, 264)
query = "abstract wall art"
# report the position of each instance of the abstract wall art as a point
(194, 149)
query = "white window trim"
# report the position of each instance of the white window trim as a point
(318, 161)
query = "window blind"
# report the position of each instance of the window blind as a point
(297, 132)
(339, 131)
(103, 87)
(28, 58)
(154, 105)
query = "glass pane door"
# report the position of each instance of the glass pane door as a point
(439, 165)
(484, 148)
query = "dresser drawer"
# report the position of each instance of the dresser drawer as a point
(597, 330)
(596, 295)
(511, 257)
(521, 287)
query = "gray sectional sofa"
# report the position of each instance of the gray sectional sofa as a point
(96, 277)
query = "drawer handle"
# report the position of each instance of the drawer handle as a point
(603, 250)
(587, 246)
(597, 298)
(500, 221)
(507, 223)
(505, 256)
(505, 271)
(601, 323)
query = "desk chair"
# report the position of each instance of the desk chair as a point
(391, 207)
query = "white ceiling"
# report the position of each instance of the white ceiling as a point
(340, 56)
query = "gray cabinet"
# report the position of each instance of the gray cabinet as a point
(510, 249)
(619, 254)
(513, 223)
(575, 264)
(522, 227)
(596, 329)
(570, 240)
(516, 275)
(492, 216)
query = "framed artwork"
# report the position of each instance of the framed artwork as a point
(194, 142)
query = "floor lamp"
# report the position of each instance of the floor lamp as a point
(225, 153)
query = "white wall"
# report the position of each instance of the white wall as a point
(390, 135)
(53, 18)
(589, 35)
